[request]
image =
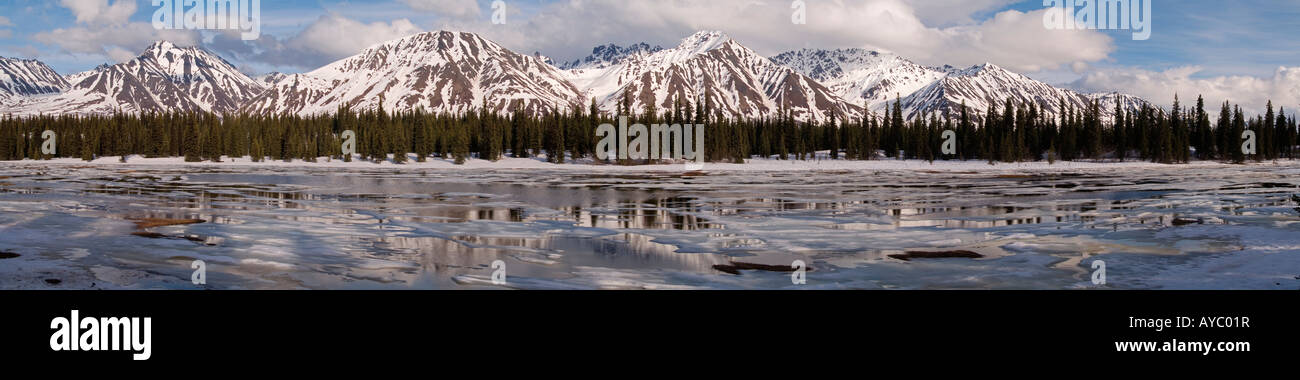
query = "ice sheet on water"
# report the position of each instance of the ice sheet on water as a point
(351, 227)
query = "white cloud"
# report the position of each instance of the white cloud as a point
(118, 54)
(27, 51)
(4, 21)
(339, 36)
(1252, 93)
(329, 38)
(103, 39)
(97, 12)
(1012, 39)
(451, 8)
(103, 30)
(953, 12)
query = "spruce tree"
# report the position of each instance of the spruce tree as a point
(1118, 129)
(1238, 127)
(87, 147)
(1267, 140)
(191, 146)
(1223, 131)
(896, 127)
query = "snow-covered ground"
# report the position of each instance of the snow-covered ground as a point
(336, 225)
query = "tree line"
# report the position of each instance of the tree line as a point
(1007, 132)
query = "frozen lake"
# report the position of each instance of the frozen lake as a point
(1164, 227)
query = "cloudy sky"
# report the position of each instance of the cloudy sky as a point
(1244, 50)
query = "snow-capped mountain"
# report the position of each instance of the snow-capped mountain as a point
(460, 72)
(878, 79)
(713, 68)
(543, 58)
(163, 78)
(1106, 101)
(860, 75)
(24, 77)
(985, 84)
(439, 71)
(75, 78)
(605, 56)
(269, 79)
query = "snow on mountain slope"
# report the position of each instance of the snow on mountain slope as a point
(73, 79)
(879, 78)
(860, 75)
(461, 72)
(1106, 101)
(163, 78)
(439, 71)
(24, 77)
(982, 85)
(269, 79)
(605, 56)
(713, 68)
(543, 58)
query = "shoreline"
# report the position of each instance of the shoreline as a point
(752, 165)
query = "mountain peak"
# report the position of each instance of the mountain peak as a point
(986, 68)
(704, 40)
(160, 47)
(989, 66)
(708, 34)
(610, 54)
(431, 40)
(166, 51)
(164, 77)
(26, 77)
(435, 34)
(17, 59)
(441, 71)
(710, 67)
(609, 49)
(861, 75)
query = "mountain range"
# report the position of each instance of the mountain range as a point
(21, 78)
(439, 71)
(878, 79)
(457, 72)
(712, 68)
